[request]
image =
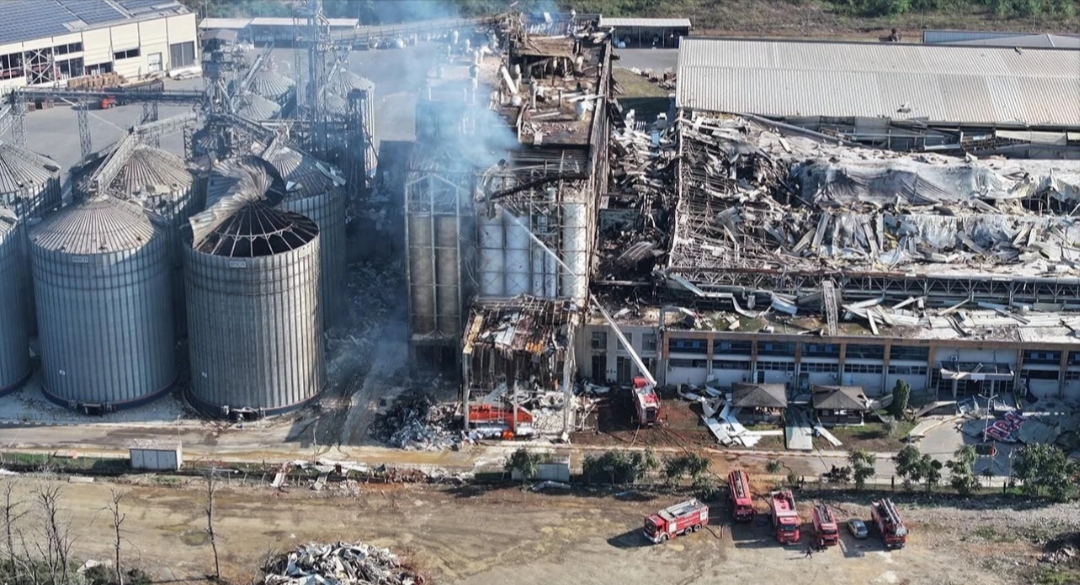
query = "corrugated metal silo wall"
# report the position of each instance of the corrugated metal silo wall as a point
(29, 202)
(421, 253)
(106, 324)
(177, 208)
(14, 326)
(328, 212)
(371, 154)
(255, 330)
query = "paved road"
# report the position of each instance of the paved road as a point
(655, 59)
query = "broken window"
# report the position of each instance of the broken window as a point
(599, 340)
(1052, 358)
(648, 342)
(732, 347)
(786, 349)
(725, 365)
(11, 66)
(128, 54)
(914, 354)
(865, 352)
(687, 346)
(820, 350)
(1040, 374)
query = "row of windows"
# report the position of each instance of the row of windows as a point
(722, 365)
(599, 341)
(1039, 374)
(820, 368)
(687, 364)
(128, 54)
(1052, 358)
(68, 48)
(908, 370)
(863, 368)
(776, 366)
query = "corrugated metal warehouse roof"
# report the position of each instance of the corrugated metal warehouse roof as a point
(238, 23)
(934, 36)
(1026, 41)
(645, 22)
(25, 20)
(934, 82)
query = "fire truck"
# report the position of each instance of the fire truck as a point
(825, 528)
(784, 517)
(646, 403)
(682, 518)
(742, 504)
(892, 529)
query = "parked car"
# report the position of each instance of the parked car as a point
(857, 528)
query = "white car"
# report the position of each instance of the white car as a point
(857, 528)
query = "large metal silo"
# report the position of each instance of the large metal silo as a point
(271, 85)
(29, 182)
(315, 190)
(104, 305)
(255, 323)
(162, 183)
(15, 365)
(256, 107)
(344, 83)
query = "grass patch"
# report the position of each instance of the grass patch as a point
(989, 534)
(636, 86)
(872, 436)
(1055, 576)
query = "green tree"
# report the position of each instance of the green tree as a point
(961, 474)
(930, 472)
(690, 464)
(901, 393)
(617, 467)
(862, 466)
(988, 475)
(907, 465)
(524, 462)
(1045, 469)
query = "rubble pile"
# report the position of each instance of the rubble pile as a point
(339, 564)
(665, 80)
(415, 422)
(373, 298)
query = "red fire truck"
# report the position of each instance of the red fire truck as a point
(825, 528)
(784, 517)
(892, 529)
(646, 403)
(682, 518)
(742, 504)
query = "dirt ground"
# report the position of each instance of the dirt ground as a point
(472, 536)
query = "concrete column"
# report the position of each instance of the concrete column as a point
(708, 355)
(1063, 366)
(885, 389)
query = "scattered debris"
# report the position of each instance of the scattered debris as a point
(415, 422)
(339, 564)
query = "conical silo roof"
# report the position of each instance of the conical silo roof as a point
(336, 105)
(256, 107)
(96, 226)
(21, 168)
(271, 84)
(304, 175)
(150, 166)
(342, 81)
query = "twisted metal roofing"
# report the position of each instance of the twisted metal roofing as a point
(149, 166)
(256, 107)
(942, 83)
(21, 168)
(304, 175)
(96, 226)
(247, 177)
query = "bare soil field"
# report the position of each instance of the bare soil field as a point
(471, 535)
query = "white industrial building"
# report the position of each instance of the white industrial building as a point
(47, 42)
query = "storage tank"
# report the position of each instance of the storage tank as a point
(104, 305)
(255, 322)
(342, 84)
(492, 270)
(162, 183)
(15, 365)
(315, 190)
(255, 107)
(29, 182)
(272, 85)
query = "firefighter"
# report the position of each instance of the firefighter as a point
(809, 552)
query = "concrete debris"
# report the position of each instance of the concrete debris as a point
(339, 564)
(1066, 554)
(549, 485)
(415, 422)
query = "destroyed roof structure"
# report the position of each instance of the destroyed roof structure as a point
(519, 355)
(759, 396)
(339, 564)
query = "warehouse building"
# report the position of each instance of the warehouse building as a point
(47, 42)
(280, 31)
(660, 33)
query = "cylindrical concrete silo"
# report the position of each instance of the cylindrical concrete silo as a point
(255, 323)
(421, 247)
(491, 269)
(104, 305)
(317, 192)
(162, 183)
(15, 365)
(448, 275)
(29, 182)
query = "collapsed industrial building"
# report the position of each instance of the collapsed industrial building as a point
(744, 246)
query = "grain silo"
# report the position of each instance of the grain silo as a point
(271, 85)
(255, 107)
(104, 305)
(255, 322)
(350, 86)
(315, 190)
(14, 326)
(29, 182)
(164, 184)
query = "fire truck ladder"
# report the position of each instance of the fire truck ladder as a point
(891, 513)
(828, 298)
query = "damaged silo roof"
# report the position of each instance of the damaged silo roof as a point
(149, 166)
(256, 107)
